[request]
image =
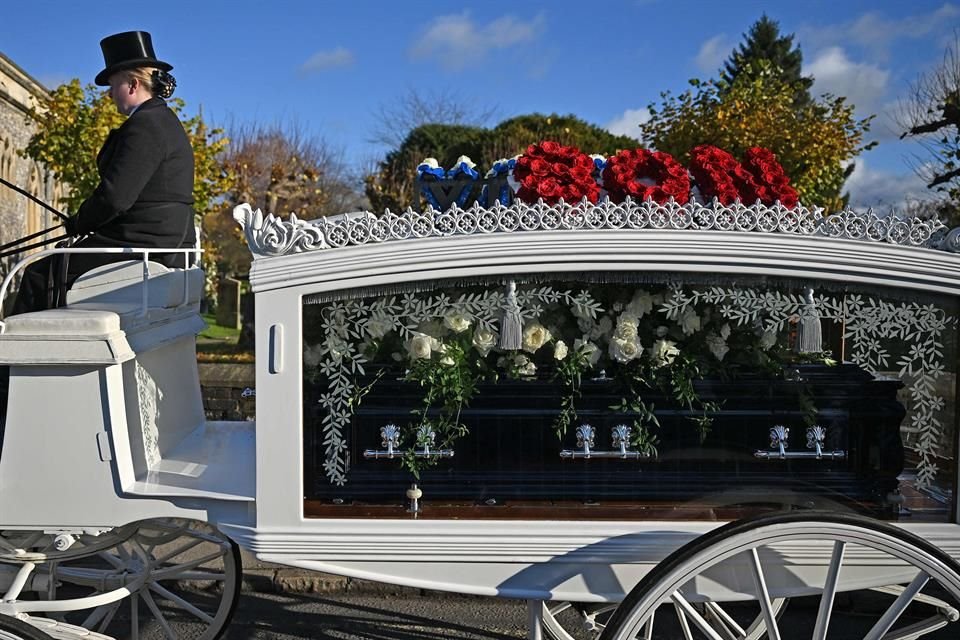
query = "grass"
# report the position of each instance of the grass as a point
(219, 344)
(216, 332)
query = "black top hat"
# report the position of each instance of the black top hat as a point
(127, 50)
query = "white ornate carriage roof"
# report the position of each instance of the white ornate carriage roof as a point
(363, 249)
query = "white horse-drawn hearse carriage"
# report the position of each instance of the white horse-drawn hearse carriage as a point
(557, 403)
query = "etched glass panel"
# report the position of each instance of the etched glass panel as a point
(629, 397)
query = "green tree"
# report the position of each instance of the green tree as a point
(393, 185)
(814, 143)
(512, 136)
(763, 43)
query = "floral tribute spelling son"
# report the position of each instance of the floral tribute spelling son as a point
(551, 172)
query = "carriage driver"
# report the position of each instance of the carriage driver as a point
(146, 177)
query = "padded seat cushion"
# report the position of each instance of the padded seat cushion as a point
(64, 322)
(123, 282)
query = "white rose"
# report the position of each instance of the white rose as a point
(625, 350)
(641, 304)
(689, 322)
(560, 350)
(662, 331)
(431, 328)
(419, 347)
(725, 331)
(588, 349)
(457, 322)
(768, 339)
(484, 340)
(663, 352)
(601, 329)
(336, 346)
(718, 346)
(524, 365)
(535, 335)
(627, 327)
(379, 326)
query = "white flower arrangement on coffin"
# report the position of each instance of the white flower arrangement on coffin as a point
(637, 337)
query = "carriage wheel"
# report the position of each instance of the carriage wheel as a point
(571, 620)
(13, 629)
(745, 565)
(179, 577)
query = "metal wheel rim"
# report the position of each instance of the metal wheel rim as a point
(555, 630)
(161, 562)
(631, 620)
(13, 629)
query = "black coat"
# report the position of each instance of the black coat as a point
(143, 200)
(146, 184)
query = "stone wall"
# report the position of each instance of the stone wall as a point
(18, 216)
(228, 391)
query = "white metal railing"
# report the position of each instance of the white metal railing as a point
(145, 253)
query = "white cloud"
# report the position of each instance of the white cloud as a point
(712, 53)
(458, 42)
(323, 60)
(861, 83)
(876, 32)
(882, 189)
(628, 123)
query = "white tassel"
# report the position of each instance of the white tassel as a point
(511, 326)
(809, 333)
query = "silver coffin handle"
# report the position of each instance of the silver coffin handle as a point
(390, 435)
(816, 436)
(619, 435)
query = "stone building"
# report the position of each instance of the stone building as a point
(19, 216)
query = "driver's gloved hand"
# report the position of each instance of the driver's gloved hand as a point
(71, 225)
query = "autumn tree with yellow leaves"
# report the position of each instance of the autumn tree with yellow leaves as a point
(815, 142)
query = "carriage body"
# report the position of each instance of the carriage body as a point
(518, 511)
(517, 507)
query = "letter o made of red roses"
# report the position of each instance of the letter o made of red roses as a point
(642, 174)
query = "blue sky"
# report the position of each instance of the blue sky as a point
(330, 65)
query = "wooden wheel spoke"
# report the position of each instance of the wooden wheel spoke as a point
(134, 617)
(763, 595)
(685, 610)
(730, 626)
(110, 615)
(158, 615)
(899, 605)
(829, 592)
(172, 554)
(171, 571)
(180, 602)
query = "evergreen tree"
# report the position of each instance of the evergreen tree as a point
(394, 185)
(764, 43)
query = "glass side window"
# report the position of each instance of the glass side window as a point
(627, 397)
